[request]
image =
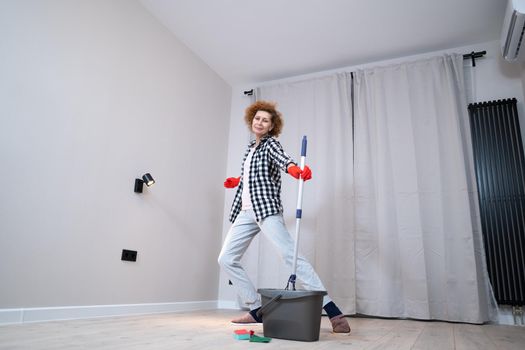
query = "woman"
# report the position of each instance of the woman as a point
(257, 208)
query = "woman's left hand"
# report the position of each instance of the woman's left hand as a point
(307, 173)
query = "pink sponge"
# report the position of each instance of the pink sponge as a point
(241, 334)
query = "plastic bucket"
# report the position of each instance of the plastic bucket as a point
(291, 314)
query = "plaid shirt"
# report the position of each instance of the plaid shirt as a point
(267, 162)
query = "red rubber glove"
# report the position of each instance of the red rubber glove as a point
(307, 173)
(232, 182)
(296, 172)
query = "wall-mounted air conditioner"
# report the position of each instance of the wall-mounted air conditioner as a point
(512, 46)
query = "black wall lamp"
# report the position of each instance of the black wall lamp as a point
(146, 179)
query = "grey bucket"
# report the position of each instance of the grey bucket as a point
(291, 314)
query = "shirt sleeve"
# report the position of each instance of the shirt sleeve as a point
(278, 155)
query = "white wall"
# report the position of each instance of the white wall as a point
(92, 95)
(523, 86)
(496, 78)
(239, 136)
(492, 79)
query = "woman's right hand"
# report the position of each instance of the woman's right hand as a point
(232, 182)
(295, 171)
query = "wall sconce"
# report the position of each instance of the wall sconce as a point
(146, 179)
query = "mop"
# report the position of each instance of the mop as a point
(289, 313)
(298, 215)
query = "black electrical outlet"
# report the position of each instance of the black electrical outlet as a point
(129, 255)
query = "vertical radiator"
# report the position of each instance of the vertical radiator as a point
(500, 175)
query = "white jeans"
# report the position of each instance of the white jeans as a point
(237, 241)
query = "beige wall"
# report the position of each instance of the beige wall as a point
(92, 95)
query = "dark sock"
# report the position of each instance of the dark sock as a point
(254, 315)
(332, 310)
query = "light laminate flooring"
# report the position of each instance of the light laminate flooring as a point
(212, 330)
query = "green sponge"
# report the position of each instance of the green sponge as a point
(243, 334)
(256, 339)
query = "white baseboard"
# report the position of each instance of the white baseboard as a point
(27, 315)
(8, 316)
(227, 304)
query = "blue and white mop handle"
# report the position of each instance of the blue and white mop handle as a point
(299, 211)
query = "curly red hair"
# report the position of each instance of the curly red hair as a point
(267, 106)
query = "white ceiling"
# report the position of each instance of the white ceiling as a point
(248, 41)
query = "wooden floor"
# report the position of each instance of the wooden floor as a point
(212, 330)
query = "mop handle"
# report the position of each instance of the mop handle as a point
(299, 211)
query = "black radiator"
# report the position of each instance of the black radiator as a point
(500, 175)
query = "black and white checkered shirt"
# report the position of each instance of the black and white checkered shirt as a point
(267, 162)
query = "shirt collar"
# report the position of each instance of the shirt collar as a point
(263, 140)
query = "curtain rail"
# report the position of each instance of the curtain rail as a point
(473, 55)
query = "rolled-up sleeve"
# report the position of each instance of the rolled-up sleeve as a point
(278, 155)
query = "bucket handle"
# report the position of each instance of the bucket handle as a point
(267, 305)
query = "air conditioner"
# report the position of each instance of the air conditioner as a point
(512, 32)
